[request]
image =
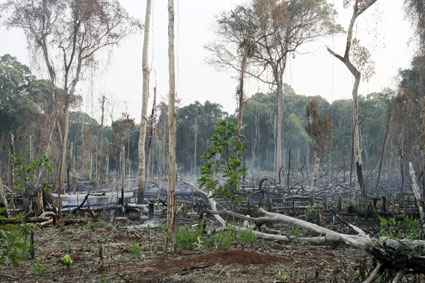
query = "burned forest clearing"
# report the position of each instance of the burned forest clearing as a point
(189, 185)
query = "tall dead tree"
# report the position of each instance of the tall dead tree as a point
(361, 56)
(172, 119)
(144, 118)
(100, 151)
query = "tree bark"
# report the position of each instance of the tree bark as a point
(100, 152)
(280, 158)
(172, 117)
(151, 138)
(123, 177)
(418, 196)
(240, 93)
(382, 154)
(195, 153)
(316, 168)
(144, 119)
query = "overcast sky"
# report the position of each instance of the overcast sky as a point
(383, 29)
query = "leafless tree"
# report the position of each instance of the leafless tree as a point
(144, 119)
(172, 119)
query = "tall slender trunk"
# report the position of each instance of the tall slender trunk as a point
(382, 154)
(151, 138)
(240, 94)
(12, 173)
(171, 204)
(64, 147)
(279, 130)
(100, 151)
(195, 153)
(122, 177)
(143, 121)
(316, 168)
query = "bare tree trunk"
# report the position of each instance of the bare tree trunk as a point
(240, 94)
(3, 198)
(122, 177)
(107, 166)
(279, 130)
(143, 122)
(316, 168)
(172, 205)
(382, 154)
(30, 149)
(195, 153)
(12, 167)
(152, 135)
(100, 151)
(418, 196)
(255, 140)
(64, 148)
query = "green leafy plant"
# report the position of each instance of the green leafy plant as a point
(188, 239)
(14, 241)
(135, 249)
(310, 209)
(247, 237)
(281, 276)
(223, 169)
(297, 231)
(89, 225)
(25, 173)
(409, 228)
(67, 260)
(220, 240)
(162, 228)
(38, 269)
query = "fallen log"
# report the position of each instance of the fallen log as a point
(24, 220)
(360, 240)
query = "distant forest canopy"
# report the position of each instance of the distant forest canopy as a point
(24, 100)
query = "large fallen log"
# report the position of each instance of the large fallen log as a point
(360, 240)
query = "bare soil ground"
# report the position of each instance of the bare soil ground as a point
(105, 252)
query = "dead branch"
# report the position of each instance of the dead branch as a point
(374, 275)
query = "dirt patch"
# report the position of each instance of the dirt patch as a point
(162, 268)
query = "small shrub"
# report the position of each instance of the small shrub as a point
(135, 249)
(89, 226)
(186, 238)
(220, 240)
(162, 228)
(14, 242)
(67, 260)
(38, 269)
(247, 237)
